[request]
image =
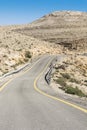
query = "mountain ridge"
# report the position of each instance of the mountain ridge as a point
(66, 28)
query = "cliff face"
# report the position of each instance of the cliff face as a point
(67, 28)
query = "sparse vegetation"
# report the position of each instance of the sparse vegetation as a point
(74, 81)
(4, 55)
(6, 46)
(69, 89)
(19, 47)
(74, 91)
(26, 59)
(65, 75)
(85, 81)
(61, 81)
(16, 48)
(20, 62)
(28, 54)
(72, 76)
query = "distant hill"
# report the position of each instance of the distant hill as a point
(67, 28)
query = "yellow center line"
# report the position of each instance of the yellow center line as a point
(41, 92)
(6, 83)
(53, 97)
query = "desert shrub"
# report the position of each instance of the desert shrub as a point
(26, 59)
(4, 55)
(74, 91)
(68, 89)
(18, 42)
(85, 81)
(65, 75)
(6, 46)
(14, 66)
(28, 54)
(20, 62)
(74, 81)
(61, 81)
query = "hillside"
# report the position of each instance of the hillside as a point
(67, 28)
(17, 49)
(55, 33)
(70, 75)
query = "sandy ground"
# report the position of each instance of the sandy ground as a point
(14, 46)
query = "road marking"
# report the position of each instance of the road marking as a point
(41, 92)
(6, 83)
(52, 97)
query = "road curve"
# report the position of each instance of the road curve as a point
(23, 108)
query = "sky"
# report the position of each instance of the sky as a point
(26, 11)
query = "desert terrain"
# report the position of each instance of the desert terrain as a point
(61, 32)
(17, 49)
(70, 75)
(66, 28)
(69, 30)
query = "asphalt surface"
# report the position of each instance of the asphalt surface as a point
(23, 108)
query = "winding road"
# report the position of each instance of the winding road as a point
(25, 106)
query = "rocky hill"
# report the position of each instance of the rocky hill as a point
(51, 34)
(20, 43)
(17, 49)
(67, 28)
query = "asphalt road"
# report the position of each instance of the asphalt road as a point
(24, 108)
